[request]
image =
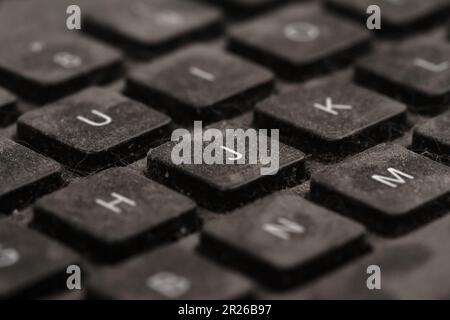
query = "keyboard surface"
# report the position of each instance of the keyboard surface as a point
(357, 120)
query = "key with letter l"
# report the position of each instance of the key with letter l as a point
(93, 129)
(115, 213)
(388, 187)
(418, 73)
(224, 186)
(282, 239)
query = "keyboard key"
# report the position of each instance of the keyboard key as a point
(389, 188)
(44, 65)
(283, 239)
(419, 74)
(237, 177)
(434, 137)
(24, 175)
(330, 115)
(8, 108)
(151, 27)
(115, 213)
(93, 129)
(299, 40)
(169, 273)
(200, 83)
(397, 15)
(30, 262)
(414, 267)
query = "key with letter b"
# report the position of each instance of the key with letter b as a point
(387, 187)
(169, 273)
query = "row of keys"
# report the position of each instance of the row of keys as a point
(296, 236)
(299, 40)
(33, 265)
(394, 186)
(108, 139)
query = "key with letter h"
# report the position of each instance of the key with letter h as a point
(115, 213)
(387, 187)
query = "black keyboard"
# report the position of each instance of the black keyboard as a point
(360, 121)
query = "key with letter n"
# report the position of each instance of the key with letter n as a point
(281, 238)
(389, 188)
